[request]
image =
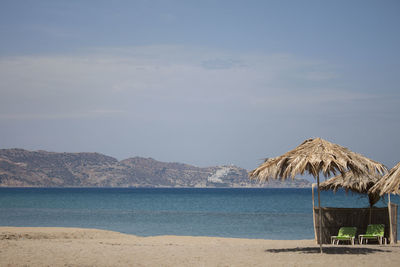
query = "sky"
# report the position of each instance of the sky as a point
(200, 82)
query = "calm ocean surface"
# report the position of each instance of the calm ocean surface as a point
(245, 213)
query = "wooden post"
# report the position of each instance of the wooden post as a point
(320, 215)
(313, 212)
(390, 221)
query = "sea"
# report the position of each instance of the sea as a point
(262, 213)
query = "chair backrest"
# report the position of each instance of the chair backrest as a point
(376, 229)
(347, 231)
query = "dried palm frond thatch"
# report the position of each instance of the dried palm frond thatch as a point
(314, 156)
(357, 184)
(389, 184)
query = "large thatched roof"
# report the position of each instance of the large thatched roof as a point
(390, 183)
(314, 156)
(357, 184)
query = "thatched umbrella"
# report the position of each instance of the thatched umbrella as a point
(389, 184)
(314, 156)
(357, 184)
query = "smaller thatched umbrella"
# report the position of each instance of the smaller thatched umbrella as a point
(389, 184)
(357, 184)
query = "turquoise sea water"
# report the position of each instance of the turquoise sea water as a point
(245, 213)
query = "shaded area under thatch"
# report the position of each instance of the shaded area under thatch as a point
(389, 184)
(334, 218)
(349, 250)
(358, 184)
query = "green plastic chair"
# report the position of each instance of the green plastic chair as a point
(374, 232)
(345, 234)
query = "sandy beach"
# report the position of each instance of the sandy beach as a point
(23, 246)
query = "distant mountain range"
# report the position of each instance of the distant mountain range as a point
(23, 168)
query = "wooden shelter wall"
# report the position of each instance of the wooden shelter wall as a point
(334, 218)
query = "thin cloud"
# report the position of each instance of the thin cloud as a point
(222, 64)
(55, 116)
(160, 79)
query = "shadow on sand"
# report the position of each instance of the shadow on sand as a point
(330, 250)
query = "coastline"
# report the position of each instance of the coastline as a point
(57, 246)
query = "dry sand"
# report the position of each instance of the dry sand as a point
(89, 247)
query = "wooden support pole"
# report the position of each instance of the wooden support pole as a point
(313, 212)
(390, 221)
(320, 215)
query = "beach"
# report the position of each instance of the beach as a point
(48, 246)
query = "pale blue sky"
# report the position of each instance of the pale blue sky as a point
(200, 82)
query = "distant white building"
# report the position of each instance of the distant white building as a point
(218, 175)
